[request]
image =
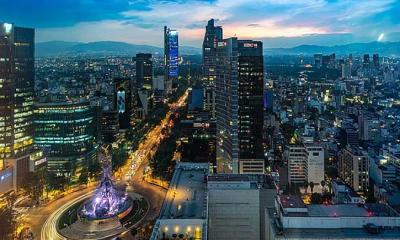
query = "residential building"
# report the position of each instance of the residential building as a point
(353, 167)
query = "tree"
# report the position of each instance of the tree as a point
(312, 187)
(34, 185)
(306, 186)
(7, 220)
(316, 198)
(323, 185)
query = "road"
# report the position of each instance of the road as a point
(42, 220)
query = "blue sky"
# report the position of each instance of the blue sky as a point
(279, 23)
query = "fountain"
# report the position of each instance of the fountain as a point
(107, 201)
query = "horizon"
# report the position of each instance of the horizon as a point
(278, 23)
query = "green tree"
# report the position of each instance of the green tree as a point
(323, 183)
(34, 184)
(306, 186)
(316, 198)
(7, 220)
(312, 187)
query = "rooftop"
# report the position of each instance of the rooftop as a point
(186, 197)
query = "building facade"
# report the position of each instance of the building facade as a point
(171, 57)
(144, 70)
(354, 168)
(17, 73)
(64, 131)
(305, 163)
(239, 104)
(212, 36)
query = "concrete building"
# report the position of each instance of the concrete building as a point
(342, 193)
(291, 219)
(354, 168)
(368, 126)
(236, 204)
(184, 211)
(305, 163)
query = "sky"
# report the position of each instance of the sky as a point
(279, 23)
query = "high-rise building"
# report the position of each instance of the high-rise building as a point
(354, 168)
(64, 131)
(212, 36)
(366, 60)
(375, 60)
(17, 73)
(239, 102)
(144, 70)
(124, 100)
(369, 126)
(171, 57)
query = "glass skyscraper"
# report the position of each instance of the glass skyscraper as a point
(64, 131)
(16, 98)
(239, 102)
(212, 36)
(171, 57)
(144, 70)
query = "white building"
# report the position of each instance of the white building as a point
(305, 163)
(291, 219)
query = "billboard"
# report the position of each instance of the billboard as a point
(121, 107)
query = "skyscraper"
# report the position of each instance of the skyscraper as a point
(144, 70)
(212, 36)
(170, 57)
(16, 98)
(239, 103)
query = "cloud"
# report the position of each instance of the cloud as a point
(141, 21)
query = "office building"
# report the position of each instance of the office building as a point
(144, 70)
(109, 125)
(17, 73)
(239, 103)
(353, 168)
(184, 212)
(196, 98)
(292, 220)
(212, 36)
(305, 163)
(366, 61)
(375, 60)
(124, 100)
(171, 57)
(64, 131)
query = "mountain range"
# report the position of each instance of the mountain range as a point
(61, 48)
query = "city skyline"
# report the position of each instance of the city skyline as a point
(278, 23)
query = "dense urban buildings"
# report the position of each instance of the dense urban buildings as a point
(239, 105)
(202, 137)
(17, 74)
